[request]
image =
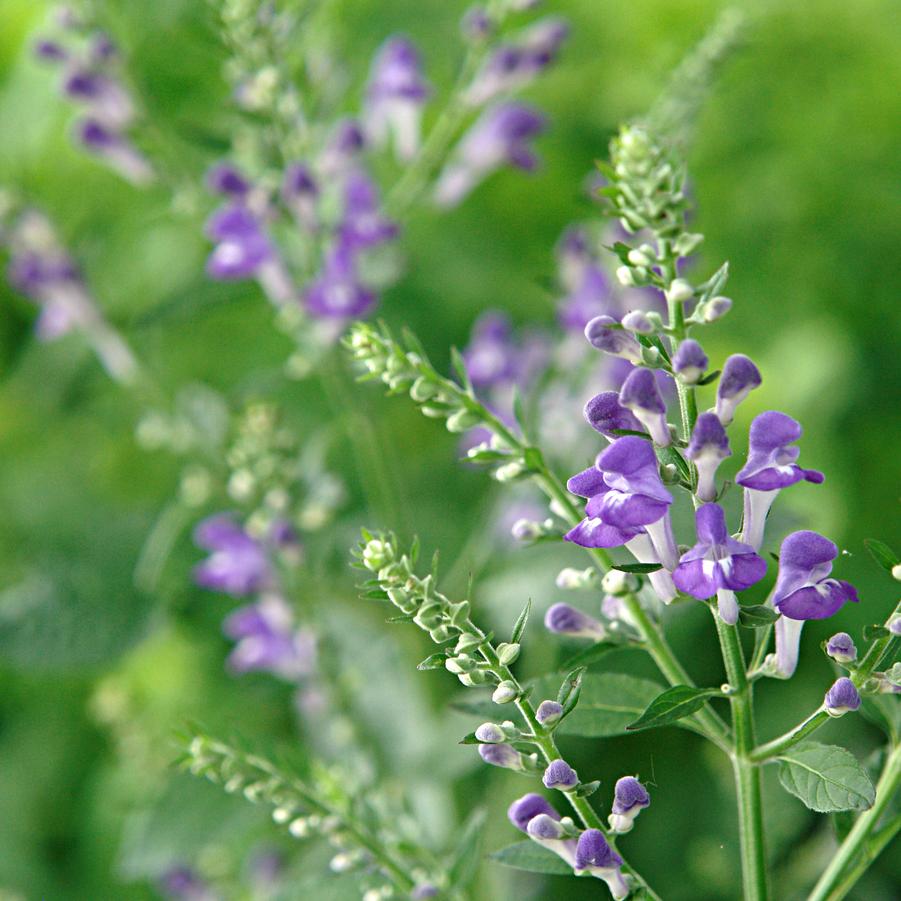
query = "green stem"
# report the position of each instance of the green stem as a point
(778, 745)
(832, 886)
(747, 772)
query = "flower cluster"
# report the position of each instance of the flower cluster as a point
(92, 79)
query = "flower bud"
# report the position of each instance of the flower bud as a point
(716, 308)
(896, 572)
(422, 389)
(619, 583)
(629, 799)
(377, 554)
(506, 692)
(566, 620)
(637, 321)
(842, 697)
(509, 472)
(841, 648)
(462, 421)
(548, 713)
(559, 774)
(507, 653)
(680, 291)
(624, 276)
(490, 733)
(501, 755)
(526, 530)
(570, 579)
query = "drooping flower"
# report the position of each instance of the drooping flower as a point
(770, 467)
(242, 246)
(502, 755)
(547, 831)
(718, 564)
(300, 192)
(594, 855)
(690, 361)
(739, 378)
(841, 648)
(362, 225)
(500, 136)
(641, 395)
(238, 564)
(115, 149)
(560, 775)
(527, 808)
(630, 797)
(637, 321)
(708, 447)
(490, 356)
(841, 698)
(604, 333)
(338, 293)
(395, 97)
(565, 620)
(268, 640)
(804, 590)
(605, 414)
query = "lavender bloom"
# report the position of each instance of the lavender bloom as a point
(502, 755)
(708, 447)
(337, 293)
(769, 468)
(490, 356)
(115, 150)
(630, 797)
(841, 698)
(184, 884)
(546, 830)
(587, 300)
(107, 101)
(637, 321)
(642, 549)
(343, 151)
(50, 51)
(605, 414)
(395, 96)
(268, 641)
(718, 564)
(615, 341)
(690, 361)
(565, 620)
(227, 179)
(238, 564)
(548, 713)
(594, 854)
(476, 24)
(559, 774)
(511, 66)
(740, 377)
(841, 648)
(574, 257)
(595, 530)
(804, 590)
(500, 136)
(300, 192)
(362, 226)
(641, 395)
(527, 808)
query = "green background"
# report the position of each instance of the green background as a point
(795, 172)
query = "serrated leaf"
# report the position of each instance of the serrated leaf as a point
(520, 625)
(826, 778)
(607, 704)
(533, 858)
(673, 704)
(882, 553)
(756, 616)
(639, 568)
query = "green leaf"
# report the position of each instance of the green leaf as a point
(465, 861)
(469, 740)
(608, 703)
(587, 788)
(459, 365)
(433, 661)
(873, 631)
(637, 567)
(826, 778)
(532, 857)
(757, 615)
(622, 432)
(710, 377)
(842, 823)
(884, 710)
(671, 455)
(569, 692)
(520, 625)
(673, 704)
(590, 655)
(882, 554)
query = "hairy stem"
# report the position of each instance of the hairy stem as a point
(747, 772)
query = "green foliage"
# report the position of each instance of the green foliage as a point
(672, 705)
(825, 778)
(532, 858)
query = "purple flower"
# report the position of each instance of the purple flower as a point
(565, 620)
(708, 447)
(740, 376)
(114, 149)
(184, 884)
(238, 564)
(227, 179)
(242, 247)
(527, 808)
(267, 640)
(490, 356)
(343, 151)
(841, 648)
(560, 775)
(502, 755)
(690, 361)
(574, 257)
(604, 333)
(804, 590)
(548, 713)
(513, 65)
(546, 830)
(642, 549)
(594, 854)
(363, 226)
(641, 395)
(337, 293)
(769, 468)
(605, 414)
(300, 193)
(630, 797)
(595, 530)
(50, 51)
(105, 97)
(718, 564)
(395, 96)
(637, 321)
(589, 299)
(842, 697)
(500, 136)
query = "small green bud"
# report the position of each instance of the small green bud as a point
(377, 554)
(459, 613)
(462, 421)
(570, 579)
(467, 642)
(687, 243)
(619, 583)
(422, 389)
(716, 308)
(509, 472)
(402, 600)
(507, 653)
(441, 633)
(624, 276)
(433, 412)
(506, 692)
(680, 291)
(462, 663)
(429, 617)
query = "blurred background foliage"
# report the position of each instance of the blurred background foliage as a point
(795, 172)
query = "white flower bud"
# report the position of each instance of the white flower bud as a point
(624, 276)
(896, 572)
(716, 308)
(506, 692)
(680, 291)
(618, 583)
